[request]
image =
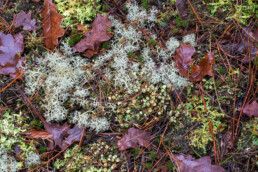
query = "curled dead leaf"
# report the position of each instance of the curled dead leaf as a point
(38, 134)
(52, 28)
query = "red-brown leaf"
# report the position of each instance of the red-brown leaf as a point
(23, 19)
(184, 59)
(38, 134)
(186, 163)
(203, 68)
(58, 132)
(52, 28)
(133, 139)
(10, 47)
(251, 109)
(96, 36)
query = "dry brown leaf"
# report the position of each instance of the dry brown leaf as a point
(52, 28)
(203, 68)
(23, 19)
(10, 47)
(184, 59)
(251, 109)
(98, 34)
(133, 139)
(186, 163)
(38, 134)
(239, 44)
(182, 8)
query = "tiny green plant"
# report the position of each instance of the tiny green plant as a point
(148, 165)
(152, 41)
(178, 21)
(184, 23)
(145, 5)
(105, 45)
(170, 165)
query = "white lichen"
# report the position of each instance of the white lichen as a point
(190, 39)
(7, 163)
(33, 159)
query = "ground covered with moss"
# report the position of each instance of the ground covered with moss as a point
(142, 85)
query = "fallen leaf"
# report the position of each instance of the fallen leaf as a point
(249, 43)
(203, 68)
(23, 19)
(182, 8)
(186, 163)
(246, 41)
(183, 58)
(59, 135)
(52, 28)
(58, 132)
(133, 138)
(98, 34)
(10, 47)
(251, 109)
(74, 134)
(38, 134)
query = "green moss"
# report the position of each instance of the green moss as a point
(241, 12)
(78, 11)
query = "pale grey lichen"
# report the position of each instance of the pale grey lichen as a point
(190, 38)
(32, 159)
(172, 45)
(7, 163)
(95, 123)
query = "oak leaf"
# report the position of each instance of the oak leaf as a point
(186, 163)
(251, 109)
(59, 135)
(246, 41)
(59, 132)
(133, 139)
(184, 59)
(249, 42)
(74, 134)
(203, 68)
(23, 19)
(52, 28)
(10, 47)
(98, 34)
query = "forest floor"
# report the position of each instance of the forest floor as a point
(123, 85)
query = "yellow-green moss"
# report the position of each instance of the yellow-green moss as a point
(80, 10)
